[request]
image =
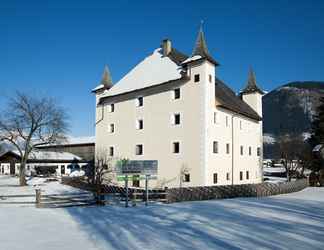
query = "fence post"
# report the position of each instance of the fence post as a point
(38, 197)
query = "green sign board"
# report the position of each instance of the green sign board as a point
(134, 178)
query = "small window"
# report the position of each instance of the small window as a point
(241, 150)
(139, 149)
(139, 102)
(258, 151)
(215, 117)
(227, 148)
(112, 128)
(247, 175)
(241, 175)
(176, 119)
(210, 77)
(250, 150)
(197, 78)
(186, 178)
(111, 151)
(226, 121)
(136, 181)
(176, 147)
(240, 125)
(227, 176)
(28, 167)
(139, 124)
(112, 107)
(176, 94)
(215, 178)
(215, 147)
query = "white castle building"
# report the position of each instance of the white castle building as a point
(173, 108)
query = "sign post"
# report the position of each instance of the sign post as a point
(126, 186)
(146, 189)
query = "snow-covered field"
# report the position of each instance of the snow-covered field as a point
(293, 221)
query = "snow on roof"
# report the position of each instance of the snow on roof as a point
(98, 87)
(153, 70)
(73, 141)
(191, 59)
(50, 155)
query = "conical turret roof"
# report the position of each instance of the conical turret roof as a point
(251, 85)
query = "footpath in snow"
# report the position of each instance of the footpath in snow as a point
(291, 221)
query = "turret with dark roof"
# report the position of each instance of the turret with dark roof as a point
(201, 49)
(251, 86)
(106, 81)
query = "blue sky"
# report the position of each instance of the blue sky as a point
(59, 48)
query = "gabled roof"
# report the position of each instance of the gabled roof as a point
(251, 86)
(226, 98)
(45, 155)
(153, 70)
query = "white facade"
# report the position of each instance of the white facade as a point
(200, 141)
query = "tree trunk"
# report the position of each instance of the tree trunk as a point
(22, 174)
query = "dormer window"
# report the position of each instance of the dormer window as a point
(197, 78)
(139, 102)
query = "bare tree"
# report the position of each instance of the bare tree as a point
(28, 122)
(103, 172)
(295, 155)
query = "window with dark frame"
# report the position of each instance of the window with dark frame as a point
(176, 93)
(250, 151)
(227, 148)
(176, 119)
(197, 78)
(258, 151)
(227, 176)
(247, 175)
(241, 150)
(215, 178)
(112, 107)
(62, 169)
(186, 178)
(215, 147)
(140, 101)
(241, 175)
(136, 181)
(111, 151)
(176, 147)
(139, 149)
(112, 128)
(210, 77)
(140, 124)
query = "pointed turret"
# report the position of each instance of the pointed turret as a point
(106, 81)
(251, 86)
(201, 49)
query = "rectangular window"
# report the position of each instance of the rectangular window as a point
(215, 178)
(139, 149)
(247, 175)
(241, 175)
(139, 102)
(176, 147)
(176, 94)
(227, 148)
(215, 117)
(176, 119)
(139, 124)
(112, 108)
(186, 178)
(250, 151)
(111, 151)
(62, 169)
(210, 77)
(227, 176)
(240, 125)
(215, 147)
(112, 128)
(197, 78)
(241, 150)
(136, 181)
(226, 121)
(258, 151)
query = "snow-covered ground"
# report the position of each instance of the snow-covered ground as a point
(292, 221)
